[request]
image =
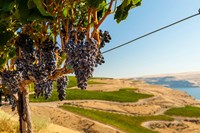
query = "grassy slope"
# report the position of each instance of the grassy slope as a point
(123, 95)
(187, 111)
(130, 124)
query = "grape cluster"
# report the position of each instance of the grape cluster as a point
(62, 83)
(27, 49)
(24, 64)
(23, 67)
(49, 88)
(83, 55)
(82, 58)
(43, 89)
(46, 66)
(11, 79)
(48, 56)
(104, 37)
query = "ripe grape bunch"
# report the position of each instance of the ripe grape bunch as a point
(11, 80)
(105, 37)
(62, 83)
(28, 64)
(85, 55)
(46, 66)
(27, 49)
(26, 54)
(48, 56)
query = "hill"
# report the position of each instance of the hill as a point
(178, 80)
(101, 116)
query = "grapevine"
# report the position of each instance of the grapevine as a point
(41, 42)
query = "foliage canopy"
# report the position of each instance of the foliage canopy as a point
(29, 52)
(42, 18)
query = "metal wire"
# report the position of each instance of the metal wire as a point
(145, 35)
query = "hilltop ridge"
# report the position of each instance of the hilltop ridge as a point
(176, 80)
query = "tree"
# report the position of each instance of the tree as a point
(29, 52)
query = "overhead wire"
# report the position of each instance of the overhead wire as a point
(150, 33)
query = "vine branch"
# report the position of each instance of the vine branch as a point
(106, 14)
(89, 22)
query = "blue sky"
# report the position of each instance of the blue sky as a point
(173, 50)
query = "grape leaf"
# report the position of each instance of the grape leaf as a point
(123, 9)
(136, 2)
(40, 7)
(5, 35)
(94, 3)
(2, 61)
(31, 4)
(125, 3)
(102, 5)
(6, 5)
(65, 12)
(12, 53)
(23, 10)
(122, 13)
(36, 15)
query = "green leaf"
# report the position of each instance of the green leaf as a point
(12, 53)
(125, 3)
(31, 4)
(65, 12)
(123, 9)
(7, 5)
(94, 3)
(23, 10)
(40, 7)
(36, 15)
(121, 14)
(2, 61)
(102, 8)
(102, 5)
(5, 35)
(137, 2)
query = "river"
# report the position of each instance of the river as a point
(194, 92)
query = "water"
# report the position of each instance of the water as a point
(194, 92)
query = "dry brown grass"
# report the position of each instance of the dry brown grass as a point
(40, 123)
(8, 125)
